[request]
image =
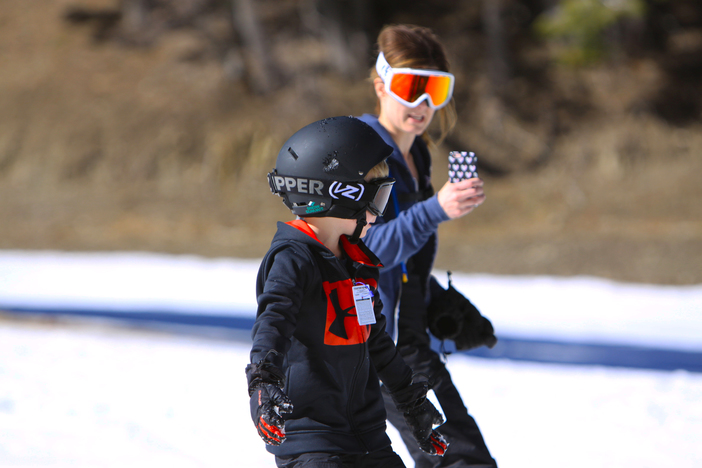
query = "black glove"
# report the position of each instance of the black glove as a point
(477, 330)
(421, 416)
(267, 404)
(452, 316)
(268, 401)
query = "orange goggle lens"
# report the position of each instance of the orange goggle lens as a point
(410, 87)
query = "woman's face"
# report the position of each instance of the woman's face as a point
(413, 120)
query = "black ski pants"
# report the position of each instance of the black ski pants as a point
(466, 445)
(385, 458)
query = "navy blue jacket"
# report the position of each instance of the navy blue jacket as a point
(409, 236)
(332, 364)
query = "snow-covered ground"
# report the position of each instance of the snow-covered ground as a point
(91, 394)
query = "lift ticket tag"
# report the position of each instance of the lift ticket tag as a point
(363, 299)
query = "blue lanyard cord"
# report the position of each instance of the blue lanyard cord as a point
(397, 213)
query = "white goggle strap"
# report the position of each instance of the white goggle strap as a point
(383, 68)
(385, 73)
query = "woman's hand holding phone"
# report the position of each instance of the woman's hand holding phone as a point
(464, 190)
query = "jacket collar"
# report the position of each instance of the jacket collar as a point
(359, 252)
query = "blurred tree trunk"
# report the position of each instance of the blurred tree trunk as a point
(513, 143)
(259, 69)
(135, 18)
(499, 68)
(342, 25)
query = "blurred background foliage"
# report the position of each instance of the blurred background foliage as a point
(150, 124)
(579, 28)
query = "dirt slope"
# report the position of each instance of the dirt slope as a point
(107, 146)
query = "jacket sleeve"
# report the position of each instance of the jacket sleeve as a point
(396, 240)
(391, 367)
(280, 288)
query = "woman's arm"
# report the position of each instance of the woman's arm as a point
(396, 240)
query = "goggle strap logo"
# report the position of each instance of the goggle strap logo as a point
(382, 67)
(351, 191)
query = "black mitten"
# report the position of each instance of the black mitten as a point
(268, 401)
(421, 417)
(452, 316)
(476, 331)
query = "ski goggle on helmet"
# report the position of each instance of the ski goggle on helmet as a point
(334, 198)
(410, 86)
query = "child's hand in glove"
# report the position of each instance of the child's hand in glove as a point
(268, 403)
(421, 417)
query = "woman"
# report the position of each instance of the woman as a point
(405, 239)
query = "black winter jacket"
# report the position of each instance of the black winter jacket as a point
(407, 233)
(306, 314)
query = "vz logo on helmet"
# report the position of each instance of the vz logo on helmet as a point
(352, 191)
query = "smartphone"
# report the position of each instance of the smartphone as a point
(462, 165)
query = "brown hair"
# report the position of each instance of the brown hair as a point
(409, 46)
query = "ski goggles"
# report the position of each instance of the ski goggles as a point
(379, 191)
(348, 199)
(410, 86)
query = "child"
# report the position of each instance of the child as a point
(319, 341)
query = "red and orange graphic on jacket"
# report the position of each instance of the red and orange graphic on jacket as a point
(342, 326)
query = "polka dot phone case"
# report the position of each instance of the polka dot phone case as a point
(462, 165)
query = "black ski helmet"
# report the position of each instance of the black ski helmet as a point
(321, 170)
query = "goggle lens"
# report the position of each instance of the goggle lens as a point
(410, 87)
(382, 195)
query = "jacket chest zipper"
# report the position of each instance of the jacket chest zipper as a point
(359, 366)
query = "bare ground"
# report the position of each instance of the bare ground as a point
(107, 147)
